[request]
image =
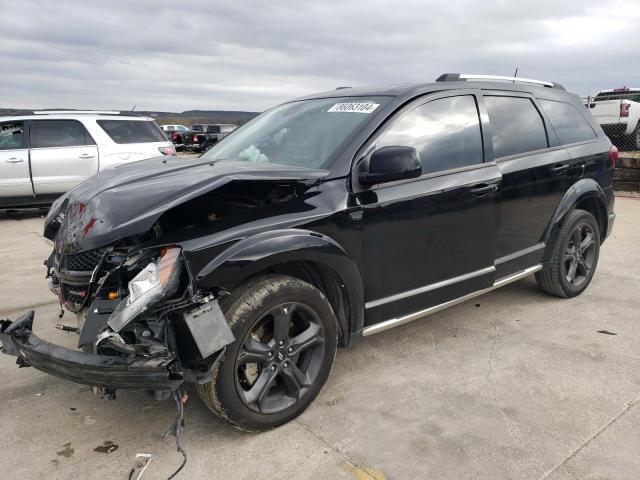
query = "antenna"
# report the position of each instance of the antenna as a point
(134, 107)
(515, 74)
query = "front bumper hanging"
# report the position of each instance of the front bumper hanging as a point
(108, 372)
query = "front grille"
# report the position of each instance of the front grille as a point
(82, 262)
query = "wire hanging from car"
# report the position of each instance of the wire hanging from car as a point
(180, 399)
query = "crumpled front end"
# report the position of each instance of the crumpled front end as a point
(142, 324)
(118, 264)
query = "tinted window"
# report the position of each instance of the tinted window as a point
(58, 133)
(132, 131)
(213, 129)
(633, 95)
(197, 128)
(568, 123)
(517, 126)
(11, 134)
(446, 133)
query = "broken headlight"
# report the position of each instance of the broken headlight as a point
(157, 280)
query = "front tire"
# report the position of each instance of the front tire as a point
(286, 340)
(574, 257)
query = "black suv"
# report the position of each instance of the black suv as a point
(328, 218)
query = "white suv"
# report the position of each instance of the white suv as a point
(48, 153)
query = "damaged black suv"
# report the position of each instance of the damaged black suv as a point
(324, 219)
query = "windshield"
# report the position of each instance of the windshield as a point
(301, 134)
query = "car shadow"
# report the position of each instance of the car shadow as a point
(23, 213)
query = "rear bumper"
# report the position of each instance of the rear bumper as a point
(109, 372)
(614, 129)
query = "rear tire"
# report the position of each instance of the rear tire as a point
(286, 340)
(574, 257)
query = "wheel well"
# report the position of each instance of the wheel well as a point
(328, 282)
(597, 209)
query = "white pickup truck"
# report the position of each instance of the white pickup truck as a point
(618, 113)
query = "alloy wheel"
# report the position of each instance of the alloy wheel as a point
(279, 358)
(579, 255)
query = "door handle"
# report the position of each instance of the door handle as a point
(86, 155)
(15, 160)
(483, 189)
(560, 168)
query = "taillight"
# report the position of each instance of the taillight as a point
(196, 138)
(613, 156)
(624, 109)
(174, 135)
(167, 150)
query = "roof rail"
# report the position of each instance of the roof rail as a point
(453, 77)
(59, 112)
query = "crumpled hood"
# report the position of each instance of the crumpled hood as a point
(128, 199)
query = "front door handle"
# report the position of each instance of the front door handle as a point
(560, 168)
(482, 189)
(15, 160)
(86, 155)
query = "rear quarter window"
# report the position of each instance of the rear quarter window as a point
(517, 126)
(569, 124)
(132, 131)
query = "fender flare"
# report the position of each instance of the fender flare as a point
(579, 191)
(257, 253)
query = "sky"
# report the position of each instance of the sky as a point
(251, 54)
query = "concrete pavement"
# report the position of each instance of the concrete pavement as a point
(513, 384)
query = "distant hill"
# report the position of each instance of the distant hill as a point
(188, 117)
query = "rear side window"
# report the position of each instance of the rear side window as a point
(197, 128)
(132, 131)
(58, 133)
(446, 133)
(517, 126)
(213, 129)
(633, 95)
(11, 135)
(569, 124)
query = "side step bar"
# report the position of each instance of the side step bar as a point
(394, 322)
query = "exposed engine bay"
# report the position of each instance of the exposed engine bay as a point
(119, 265)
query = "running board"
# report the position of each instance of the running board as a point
(394, 322)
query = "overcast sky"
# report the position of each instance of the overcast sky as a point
(250, 55)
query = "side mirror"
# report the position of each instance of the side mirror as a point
(392, 163)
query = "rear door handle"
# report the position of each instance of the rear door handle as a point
(560, 168)
(86, 155)
(483, 189)
(15, 160)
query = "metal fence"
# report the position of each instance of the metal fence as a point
(618, 113)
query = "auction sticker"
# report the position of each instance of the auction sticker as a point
(354, 107)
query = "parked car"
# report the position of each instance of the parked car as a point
(325, 219)
(618, 113)
(204, 135)
(48, 153)
(176, 133)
